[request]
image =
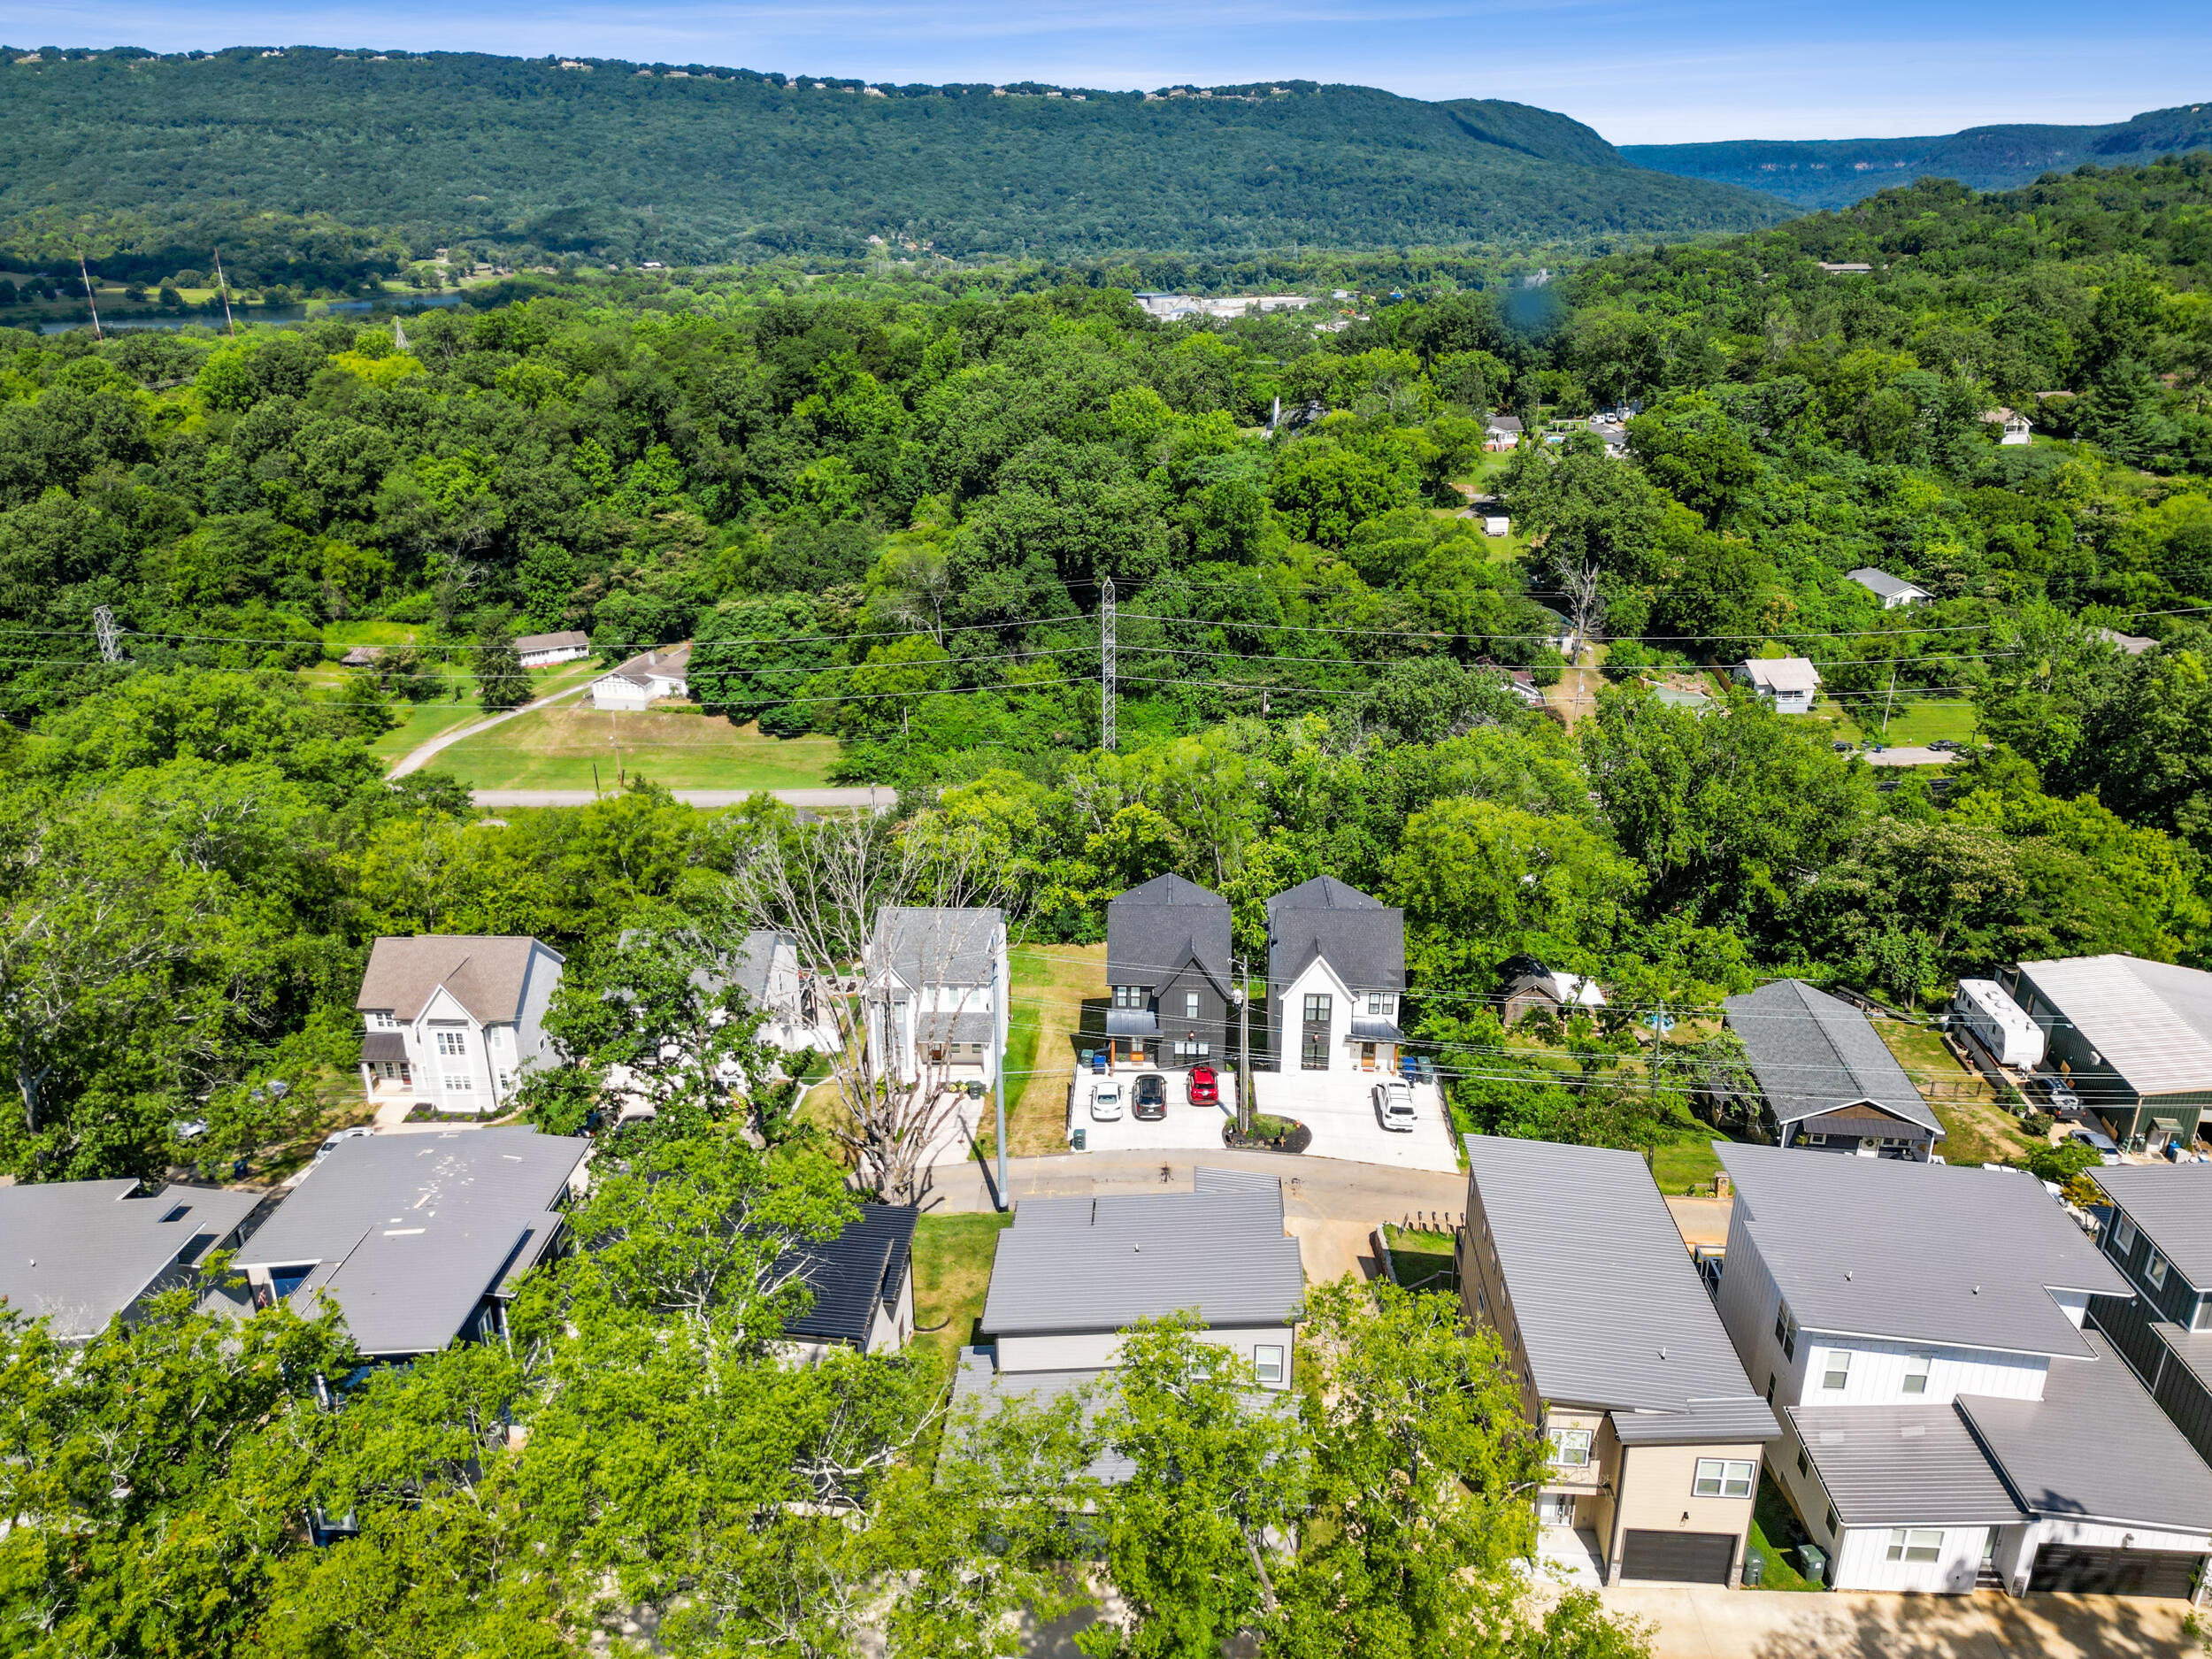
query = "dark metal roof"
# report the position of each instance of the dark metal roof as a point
(77, 1253)
(1131, 1022)
(1374, 1029)
(1155, 929)
(1934, 1253)
(1863, 1124)
(854, 1273)
(2096, 1447)
(1815, 1054)
(2172, 1202)
(1611, 1312)
(1903, 1466)
(1362, 939)
(384, 1045)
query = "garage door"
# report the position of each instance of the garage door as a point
(1680, 1557)
(2114, 1571)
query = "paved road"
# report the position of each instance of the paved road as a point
(1322, 1189)
(1910, 755)
(879, 797)
(415, 759)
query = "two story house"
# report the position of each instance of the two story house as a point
(1950, 1421)
(2158, 1232)
(860, 1286)
(2133, 1038)
(1655, 1434)
(1786, 684)
(936, 982)
(1168, 970)
(1829, 1082)
(453, 1021)
(1336, 967)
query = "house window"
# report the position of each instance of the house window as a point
(1317, 1007)
(1786, 1330)
(1571, 1448)
(1816, 1141)
(1837, 1374)
(1719, 1478)
(1804, 1462)
(1916, 1544)
(1190, 1051)
(459, 1083)
(1832, 1522)
(2123, 1235)
(1917, 1374)
(1381, 1003)
(1313, 1051)
(1771, 1379)
(453, 1042)
(1190, 1005)
(506, 1082)
(1267, 1364)
(2155, 1270)
(1129, 996)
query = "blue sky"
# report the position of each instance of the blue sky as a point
(1638, 71)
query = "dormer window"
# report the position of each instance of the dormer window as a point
(379, 1020)
(1129, 995)
(2154, 1271)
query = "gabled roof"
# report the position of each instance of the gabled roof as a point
(2150, 1021)
(1815, 1054)
(755, 962)
(1888, 587)
(1504, 423)
(854, 1273)
(78, 1253)
(2172, 1203)
(485, 972)
(1101, 1265)
(1362, 939)
(570, 639)
(1933, 1252)
(662, 662)
(936, 945)
(1782, 673)
(1568, 990)
(1155, 929)
(408, 1232)
(1611, 1312)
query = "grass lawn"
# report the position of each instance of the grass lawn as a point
(1978, 1128)
(349, 634)
(1914, 720)
(952, 1271)
(1687, 1165)
(1051, 984)
(419, 722)
(1420, 1257)
(557, 747)
(1774, 1530)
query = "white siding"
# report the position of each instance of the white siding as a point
(1096, 1350)
(2074, 1304)
(2089, 1533)
(1863, 1562)
(1877, 1373)
(1319, 980)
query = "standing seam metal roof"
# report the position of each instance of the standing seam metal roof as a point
(1903, 1466)
(2151, 1021)
(854, 1273)
(2172, 1204)
(1815, 1054)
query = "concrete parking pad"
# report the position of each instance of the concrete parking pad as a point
(1339, 1109)
(1709, 1622)
(1186, 1128)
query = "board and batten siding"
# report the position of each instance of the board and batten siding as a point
(1878, 1372)
(1746, 1302)
(1863, 1562)
(2176, 1299)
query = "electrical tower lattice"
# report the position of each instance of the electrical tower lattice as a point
(1106, 667)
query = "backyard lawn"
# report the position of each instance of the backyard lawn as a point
(1051, 984)
(1422, 1260)
(952, 1271)
(559, 747)
(1775, 1531)
(1687, 1165)
(1978, 1128)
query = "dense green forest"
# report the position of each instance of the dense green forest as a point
(127, 153)
(1837, 172)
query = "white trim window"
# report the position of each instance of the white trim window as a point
(2123, 1235)
(1569, 1448)
(1835, 1375)
(1723, 1477)
(1915, 1543)
(452, 1041)
(1190, 1005)
(1786, 1330)
(459, 1083)
(1916, 1373)
(2154, 1271)
(1267, 1363)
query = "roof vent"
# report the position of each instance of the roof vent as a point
(1977, 1290)
(1662, 1353)
(1847, 1273)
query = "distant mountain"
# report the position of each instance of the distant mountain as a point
(1834, 173)
(654, 161)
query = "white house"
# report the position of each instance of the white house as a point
(1998, 1023)
(2016, 427)
(453, 1021)
(1336, 967)
(1786, 683)
(767, 971)
(1950, 1424)
(937, 983)
(1496, 524)
(1502, 432)
(647, 678)
(1894, 592)
(537, 650)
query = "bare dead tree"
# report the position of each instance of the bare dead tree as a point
(1579, 583)
(830, 886)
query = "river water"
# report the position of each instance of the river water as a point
(121, 322)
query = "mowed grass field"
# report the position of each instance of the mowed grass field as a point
(1051, 984)
(557, 748)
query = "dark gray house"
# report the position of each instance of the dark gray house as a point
(861, 1285)
(1336, 967)
(2134, 1038)
(2159, 1234)
(1167, 971)
(78, 1253)
(1829, 1082)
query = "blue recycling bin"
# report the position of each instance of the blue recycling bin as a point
(1098, 1061)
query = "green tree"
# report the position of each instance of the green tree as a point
(502, 681)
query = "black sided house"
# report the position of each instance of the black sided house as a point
(1829, 1082)
(860, 1285)
(1167, 961)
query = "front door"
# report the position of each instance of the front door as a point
(1367, 1056)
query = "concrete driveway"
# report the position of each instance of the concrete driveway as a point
(1338, 1106)
(1186, 1128)
(1709, 1622)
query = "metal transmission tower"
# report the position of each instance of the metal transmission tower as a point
(1106, 666)
(109, 636)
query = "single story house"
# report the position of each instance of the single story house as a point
(537, 650)
(76, 1254)
(1655, 1433)
(1533, 987)
(1786, 683)
(1894, 592)
(646, 679)
(860, 1283)
(453, 1021)
(1336, 966)
(1983, 1010)
(362, 656)
(420, 1239)
(936, 983)
(1502, 432)
(1169, 974)
(1829, 1082)
(2133, 1038)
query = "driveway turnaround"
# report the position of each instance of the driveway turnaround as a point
(1338, 1106)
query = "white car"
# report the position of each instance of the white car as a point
(1394, 1105)
(2101, 1144)
(331, 1141)
(1106, 1103)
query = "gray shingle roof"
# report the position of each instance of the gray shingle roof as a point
(77, 1253)
(1099, 1264)
(1814, 1055)
(2095, 1447)
(568, 640)
(1611, 1308)
(2150, 1021)
(413, 1231)
(754, 961)
(486, 973)
(1362, 939)
(1903, 1466)
(2172, 1202)
(854, 1273)
(1883, 583)
(1918, 1252)
(1153, 929)
(662, 662)
(935, 945)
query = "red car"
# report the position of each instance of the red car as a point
(1205, 1088)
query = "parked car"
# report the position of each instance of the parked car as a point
(2057, 1093)
(1151, 1098)
(1949, 745)
(331, 1141)
(1394, 1105)
(1203, 1087)
(1106, 1103)
(1840, 747)
(2097, 1141)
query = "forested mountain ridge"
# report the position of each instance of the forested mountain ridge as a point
(1833, 172)
(630, 162)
